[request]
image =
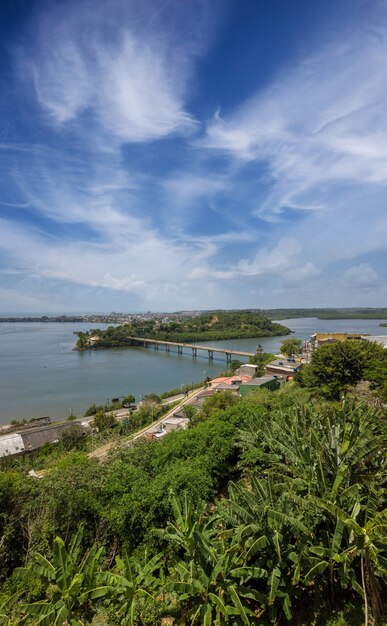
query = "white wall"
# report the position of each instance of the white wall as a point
(11, 444)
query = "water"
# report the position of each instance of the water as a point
(40, 374)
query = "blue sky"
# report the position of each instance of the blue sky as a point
(171, 154)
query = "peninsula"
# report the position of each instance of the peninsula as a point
(213, 326)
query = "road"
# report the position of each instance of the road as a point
(102, 451)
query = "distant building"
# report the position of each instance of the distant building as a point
(287, 368)
(264, 382)
(229, 383)
(320, 339)
(168, 425)
(247, 369)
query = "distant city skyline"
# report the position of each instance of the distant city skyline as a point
(162, 155)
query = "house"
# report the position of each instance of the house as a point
(168, 425)
(264, 382)
(287, 368)
(247, 369)
(229, 383)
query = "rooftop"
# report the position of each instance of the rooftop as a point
(288, 364)
(261, 380)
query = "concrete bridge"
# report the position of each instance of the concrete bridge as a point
(157, 343)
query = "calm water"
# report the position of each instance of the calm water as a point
(40, 374)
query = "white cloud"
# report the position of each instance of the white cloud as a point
(322, 122)
(276, 260)
(362, 276)
(107, 65)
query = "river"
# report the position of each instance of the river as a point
(40, 374)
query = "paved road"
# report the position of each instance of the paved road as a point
(102, 451)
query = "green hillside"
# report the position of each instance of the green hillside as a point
(212, 326)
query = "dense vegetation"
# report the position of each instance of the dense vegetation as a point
(336, 366)
(206, 327)
(268, 510)
(326, 314)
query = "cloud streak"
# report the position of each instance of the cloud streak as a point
(319, 123)
(119, 188)
(105, 65)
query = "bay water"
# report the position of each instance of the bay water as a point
(41, 374)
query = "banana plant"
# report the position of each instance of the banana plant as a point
(71, 584)
(132, 582)
(367, 540)
(210, 586)
(271, 535)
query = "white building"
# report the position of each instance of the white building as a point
(11, 444)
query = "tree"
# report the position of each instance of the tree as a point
(334, 367)
(103, 420)
(219, 400)
(153, 397)
(291, 346)
(234, 365)
(73, 438)
(93, 409)
(261, 359)
(130, 399)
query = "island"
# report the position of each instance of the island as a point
(213, 326)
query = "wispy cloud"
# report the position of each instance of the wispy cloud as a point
(319, 124)
(113, 66)
(118, 189)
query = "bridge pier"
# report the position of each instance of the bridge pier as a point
(194, 352)
(156, 347)
(167, 347)
(228, 357)
(179, 350)
(210, 355)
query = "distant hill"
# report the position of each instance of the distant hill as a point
(326, 314)
(211, 326)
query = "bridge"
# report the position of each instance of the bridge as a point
(157, 343)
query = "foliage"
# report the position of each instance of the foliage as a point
(261, 359)
(212, 326)
(276, 513)
(335, 366)
(93, 409)
(71, 584)
(103, 421)
(73, 439)
(234, 365)
(152, 397)
(291, 346)
(130, 399)
(327, 314)
(177, 390)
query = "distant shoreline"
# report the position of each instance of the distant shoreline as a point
(272, 314)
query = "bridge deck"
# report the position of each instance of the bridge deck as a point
(193, 346)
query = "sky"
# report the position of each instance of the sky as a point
(163, 155)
